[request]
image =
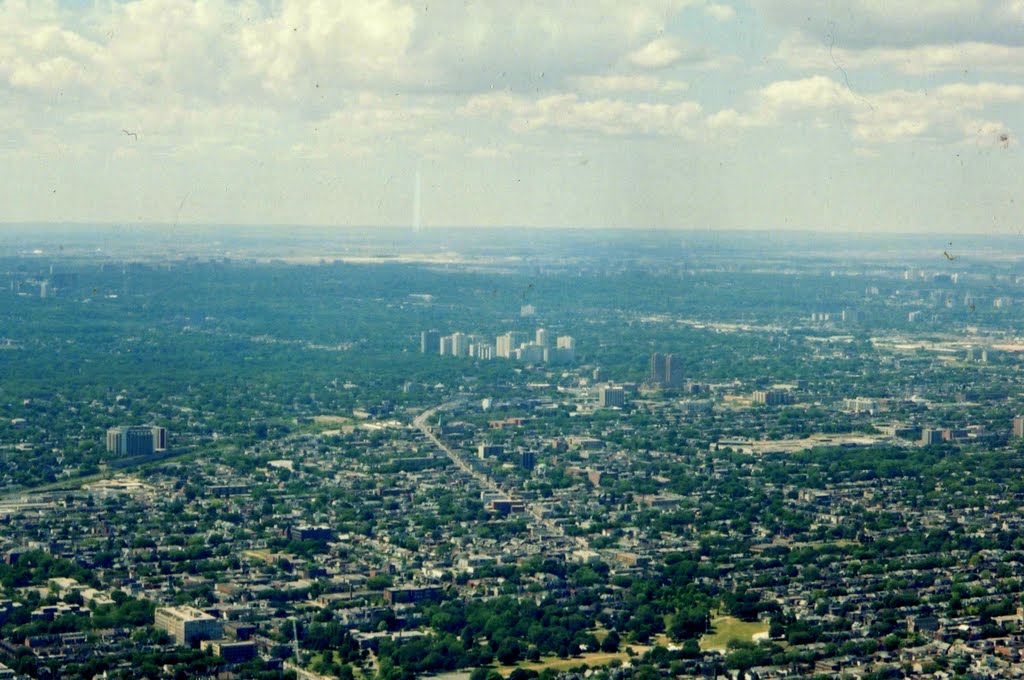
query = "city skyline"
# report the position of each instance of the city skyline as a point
(762, 457)
(675, 115)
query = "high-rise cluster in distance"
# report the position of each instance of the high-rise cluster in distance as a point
(542, 347)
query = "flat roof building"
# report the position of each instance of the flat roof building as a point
(412, 594)
(187, 625)
(772, 397)
(231, 652)
(136, 440)
(611, 397)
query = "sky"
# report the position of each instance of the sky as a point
(823, 115)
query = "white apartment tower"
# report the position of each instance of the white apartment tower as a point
(460, 344)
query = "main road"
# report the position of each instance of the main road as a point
(534, 510)
(422, 423)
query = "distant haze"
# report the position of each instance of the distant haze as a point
(68, 245)
(672, 114)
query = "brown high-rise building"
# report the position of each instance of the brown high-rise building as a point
(657, 368)
(673, 371)
(666, 370)
(611, 397)
(430, 341)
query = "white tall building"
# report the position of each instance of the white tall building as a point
(563, 352)
(508, 343)
(542, 337)
(503, 346)
(481, 350)
(460, 344)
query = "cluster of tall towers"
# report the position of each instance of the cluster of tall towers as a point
(542, 347)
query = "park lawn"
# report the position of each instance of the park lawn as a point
(327, 419)
(725, 629)
(327, 424)
(592, 659)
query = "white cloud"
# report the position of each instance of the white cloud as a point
(861, 24)
(331, 43)
(988, 133)
(502, 152)
(269, 89)
(495, 105)
(177, 129)
(119, 54)
(942, 112)
(731, 119)
(977, 95)
(277, 53)
(603, 116)
(669, 51)
(195, 72)
(798, 52)
(864, 152)
(371, 114)
(814, 93)
(37, 54)
(879, 117)
(658, 53)
(628, 83)
(720, 12)
(879, 129)
(534, 44)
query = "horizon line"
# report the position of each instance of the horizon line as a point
(459, 227)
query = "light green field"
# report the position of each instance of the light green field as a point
(724, 629)
(592, 659)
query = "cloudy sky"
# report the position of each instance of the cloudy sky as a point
(838, 115)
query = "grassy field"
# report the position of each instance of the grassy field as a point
(325, 419)
(724, 629)
(590, 658)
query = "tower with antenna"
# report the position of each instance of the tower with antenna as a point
(416, 225)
